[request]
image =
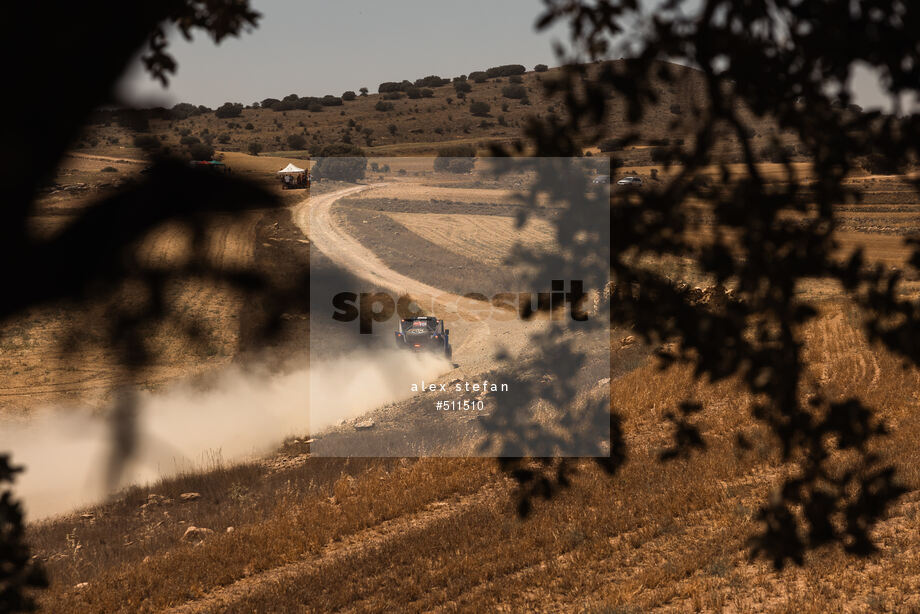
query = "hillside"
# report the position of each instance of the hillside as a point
(412, 126)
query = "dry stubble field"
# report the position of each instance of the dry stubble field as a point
(361, 535)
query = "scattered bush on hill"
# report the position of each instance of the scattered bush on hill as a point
(514, 91)
(480, 108)
(296, 141)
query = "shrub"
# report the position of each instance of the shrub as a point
(269, 103)
(296, 141)
(229, 109)
(414, 93)
(189, 140)
(431, 81)
(505, 70)
(392, 128)
(427, 93)
(249, 126)
(315, 107)
(479, 76)
(540, 68)
(147, 142)
(460, 165)
(446, 154)
(515, 91)
(480, 108)
(463, 86)
(184, 110)
(223, 139)
(393, 96)
(109, 169)
(254, 148)
(331, 101)
(341, 162)
(675, 109)
(201, 151)
(349, 96)
(363, 91)
(516, 79)
(383, 106)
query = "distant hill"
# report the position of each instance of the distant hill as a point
(413, 122)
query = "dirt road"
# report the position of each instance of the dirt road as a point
(475, 341)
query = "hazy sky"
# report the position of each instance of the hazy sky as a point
(318, 48)
(314, 48)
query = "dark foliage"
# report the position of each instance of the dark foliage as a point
(348, 96)
(93, 256)
(540, 68)
(431, 81)
(480, 108)
(18, 572)
(229, 109)
(791, 61)
(201, 151)
(514, 91)
(505, 71)
(296, 141)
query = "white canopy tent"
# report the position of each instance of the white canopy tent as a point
(289, 169)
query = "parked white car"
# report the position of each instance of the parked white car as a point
(630, 182)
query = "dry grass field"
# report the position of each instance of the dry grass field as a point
(293, 532)
(441, 535)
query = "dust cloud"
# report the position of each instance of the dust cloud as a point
(239, 415)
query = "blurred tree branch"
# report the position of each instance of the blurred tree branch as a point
(791, 63)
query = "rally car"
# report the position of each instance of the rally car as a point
(424, 333)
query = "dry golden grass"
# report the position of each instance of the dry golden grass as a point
(486, 238)
(370, 535)
(441, 534)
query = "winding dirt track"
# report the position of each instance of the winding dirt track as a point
(314, 218)
(474, 341)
